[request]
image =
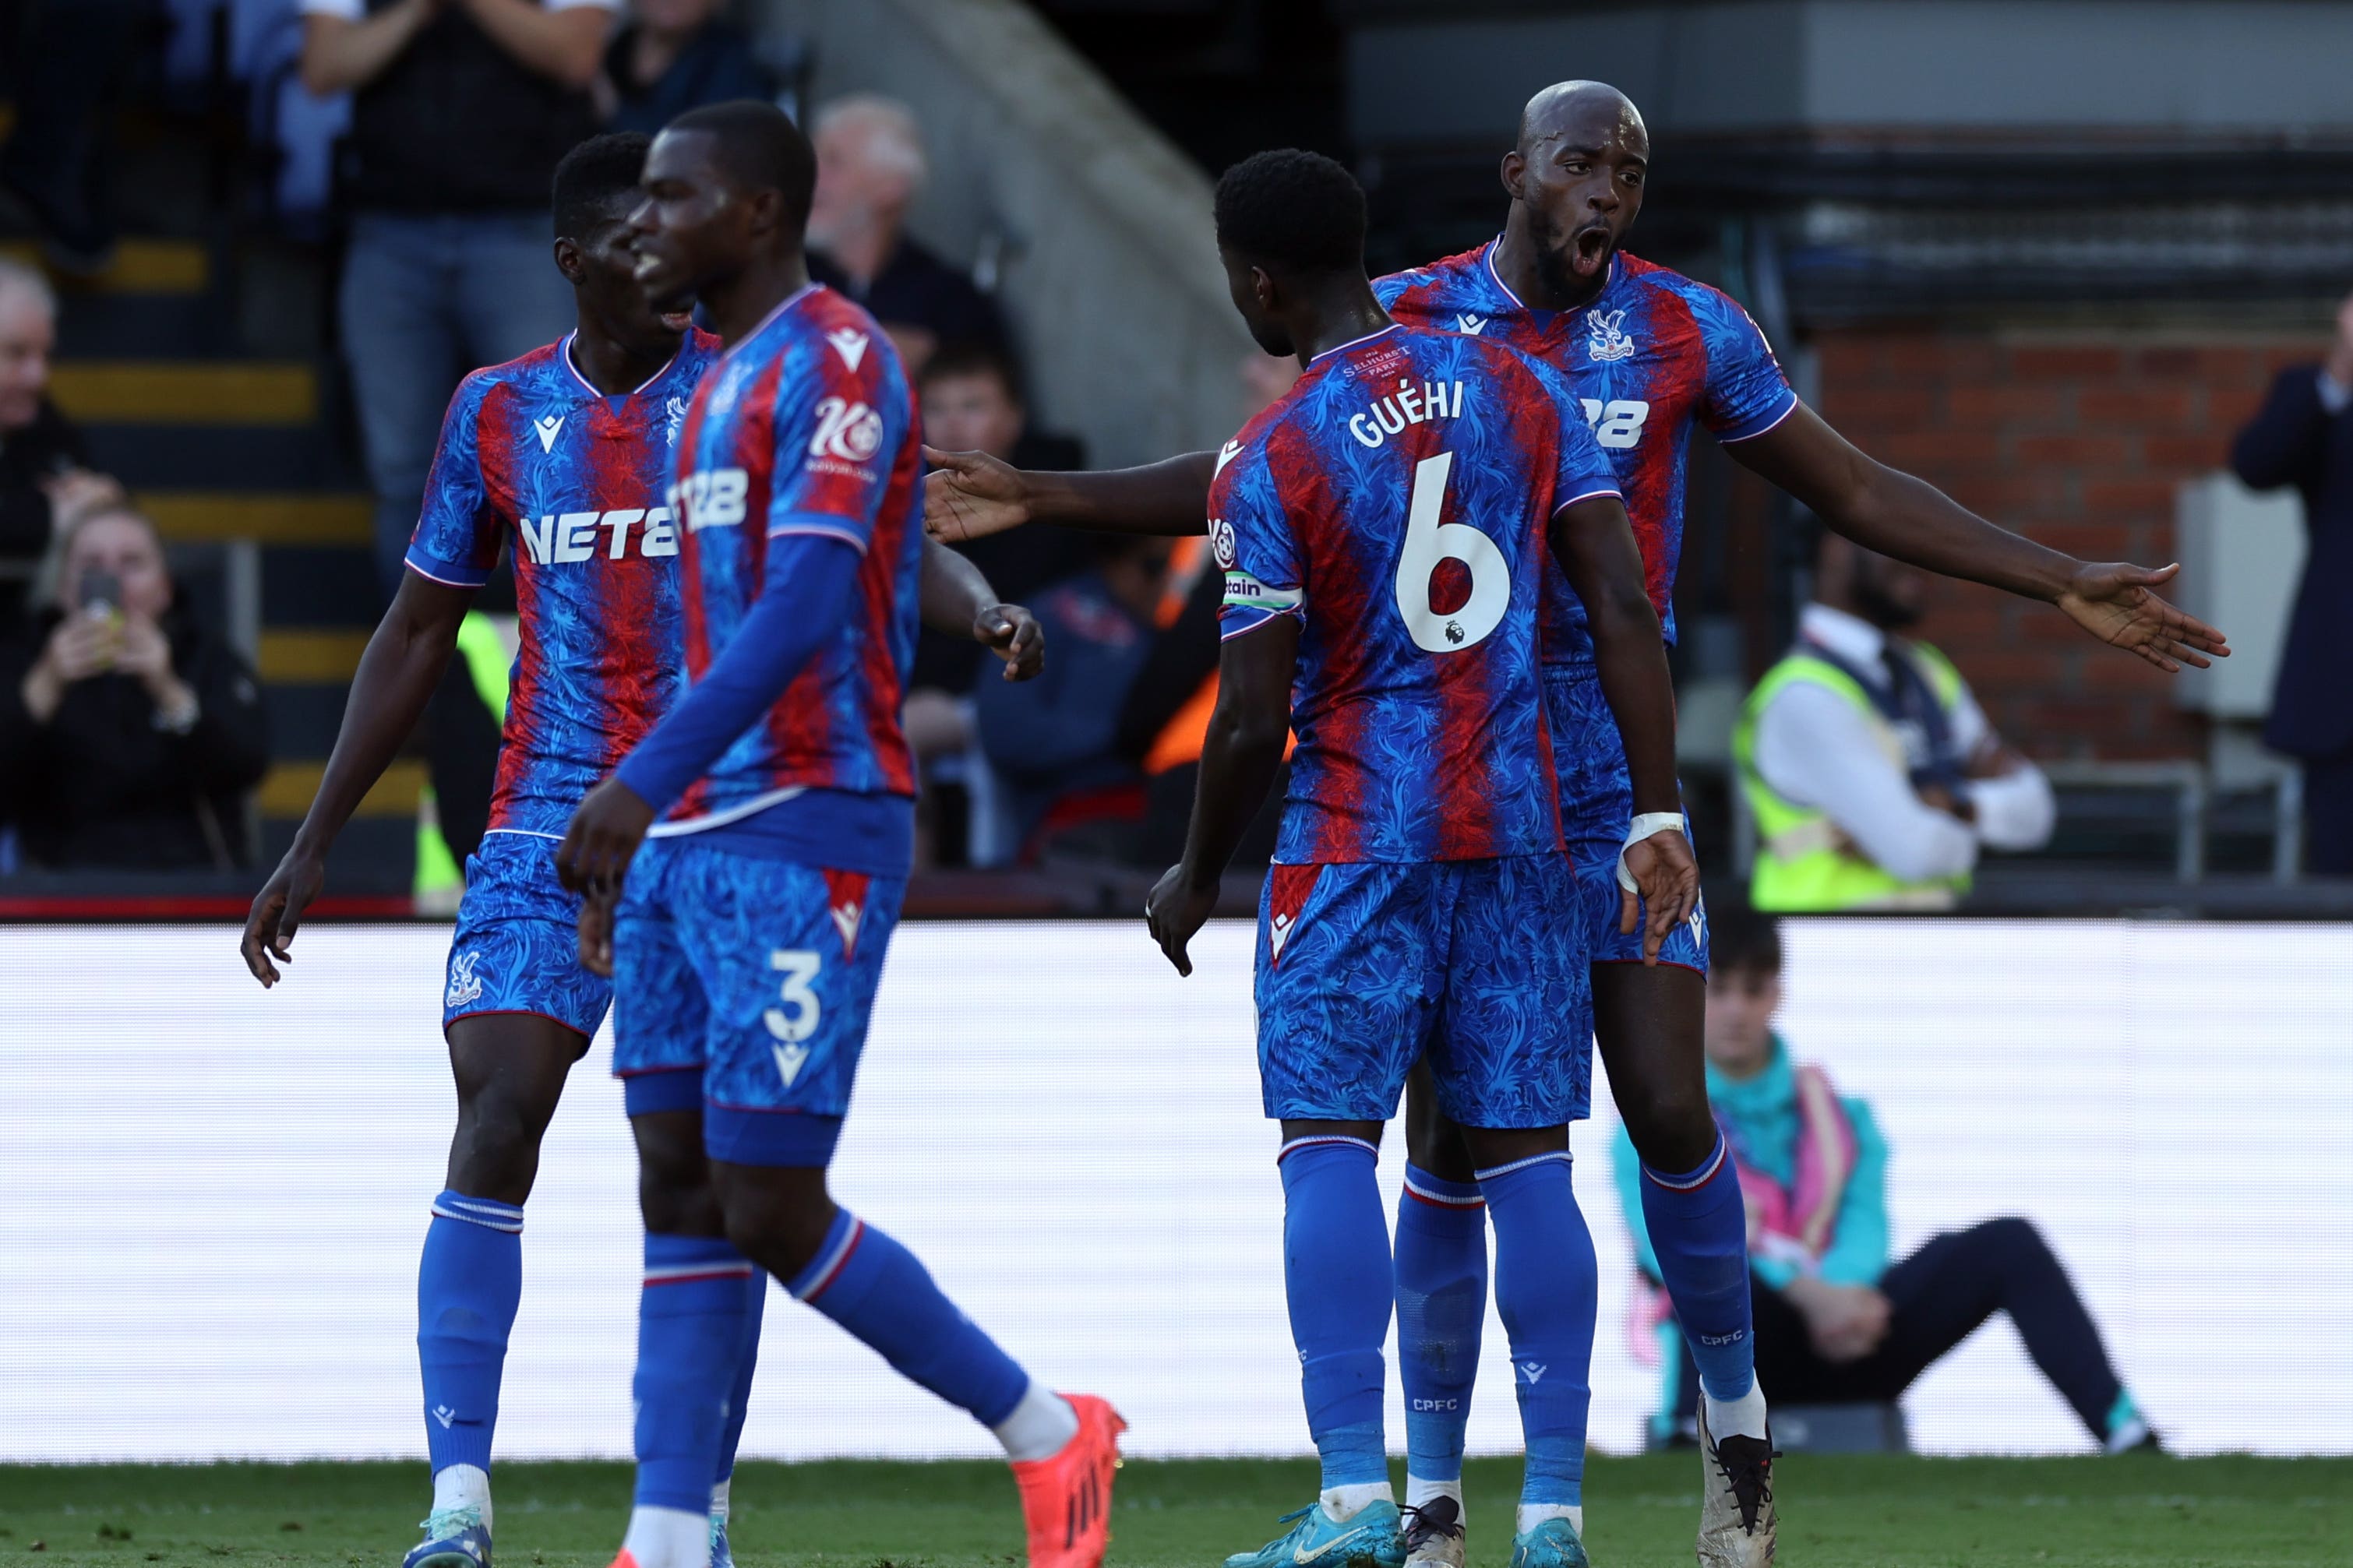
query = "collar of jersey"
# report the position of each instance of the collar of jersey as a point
(1487, 265)
(1351, 343)
(563, 353)
(787, 303)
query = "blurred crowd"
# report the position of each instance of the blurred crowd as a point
(1870, 774)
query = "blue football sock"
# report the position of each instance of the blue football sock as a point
(1441, 1305)
(1699, 1229)
(739, 1398)
(1338, 1276)
(468, 1285)
(689, 1347)
(878, 1290)
(1547, 1293)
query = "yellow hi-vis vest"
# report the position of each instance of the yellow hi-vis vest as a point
(1804, 864)
(488, 649)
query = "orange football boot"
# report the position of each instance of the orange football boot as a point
(1066, 1500)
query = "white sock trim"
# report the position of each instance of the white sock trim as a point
(1533, 1514)
(462, 1486)
(668, 1538)
(1741, 1417)
(719, 1498)
(1041, 1426)
(1344, 1503)
(1419, 1490)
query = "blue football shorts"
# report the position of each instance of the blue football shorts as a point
(517, 945)
(1597, 806)
(743, 988)
(1363, 968)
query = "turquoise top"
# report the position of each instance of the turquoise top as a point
(1761, 1115)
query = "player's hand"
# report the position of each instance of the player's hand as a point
(602, 839)
(971, 495)
(1014, 634)
(2114, 602)
(1667, 879)
(1177, 910)
(277, 911)
(597, 933)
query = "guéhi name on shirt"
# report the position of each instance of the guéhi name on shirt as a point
(1616, 423)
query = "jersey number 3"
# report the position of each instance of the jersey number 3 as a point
(1428, 541)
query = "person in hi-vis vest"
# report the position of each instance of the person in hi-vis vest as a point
(1870, 772)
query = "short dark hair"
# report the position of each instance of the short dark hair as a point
(593, 174)
(759, 148)
(969, 358)
(1740, 938)
(1293, 209)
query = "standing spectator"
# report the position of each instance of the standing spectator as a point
(2304, 437)
(45, 480)
(460, 109)
(672, 56)
(57, 160)
(128, 733)
(1872, 771)
(1052, 741)
(870, 166)
(1837, 1322)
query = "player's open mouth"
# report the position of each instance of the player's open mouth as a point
(677, 321)
(1592, 250)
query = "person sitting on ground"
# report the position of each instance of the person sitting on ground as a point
(870, 166)
(129, 733)
(1052, 741)
(672, 56)
(1837, 1322)
(46, 481)
(1873, 776)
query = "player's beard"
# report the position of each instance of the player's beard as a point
(1556, 250)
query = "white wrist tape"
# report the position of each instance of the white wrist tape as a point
(1648, 825)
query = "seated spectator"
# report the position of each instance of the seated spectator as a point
(128, 733)
(1836, 1322)
(1873, 774)
(1052, 741)
(45, 483)
(870, 166)
(673, 55)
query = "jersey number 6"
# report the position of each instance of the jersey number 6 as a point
(1428, 541)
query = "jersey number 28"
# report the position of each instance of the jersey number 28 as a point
(1428, 541)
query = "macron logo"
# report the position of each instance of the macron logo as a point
(1533, 1371)
(547, 427)
(1278, 931)
(445, 1415)
(849, 344)
(1470, 326)
(844, 920)
(1225, 454)
(790, 1059)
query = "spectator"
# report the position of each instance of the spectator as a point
(1052, 741)
(672, 56)
(1836, 1323)
(57, 160)
(128, 733)
(972, 404)
(460, 109)
(45, 479)
(870, 166)
(1873, 774)
(2304, 437)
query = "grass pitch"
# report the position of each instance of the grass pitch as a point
(1837, 1513)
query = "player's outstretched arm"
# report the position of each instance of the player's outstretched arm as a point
(958, 602)
(1595, 545)
(971, 495)
(1913, 521)
(396, 679)
(1238, 756)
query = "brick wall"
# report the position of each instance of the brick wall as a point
(2077, 441)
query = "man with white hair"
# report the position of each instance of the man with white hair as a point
(870, 167)
(45, 484)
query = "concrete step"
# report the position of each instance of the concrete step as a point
(199, 392)
(231, 457)
(288, 788)
(329, 521)
(306, 586)
(140, 267)
(312, 656)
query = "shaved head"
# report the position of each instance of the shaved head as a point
(1568, 106)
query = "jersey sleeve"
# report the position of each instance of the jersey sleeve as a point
(1584, 468)
(459, 531)
(837, 434)
(1250, 533)
(1746, 393)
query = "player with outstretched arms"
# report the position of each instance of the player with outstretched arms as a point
(1649, 352)
(564, 458)
(1390, 530)
(747, 937)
